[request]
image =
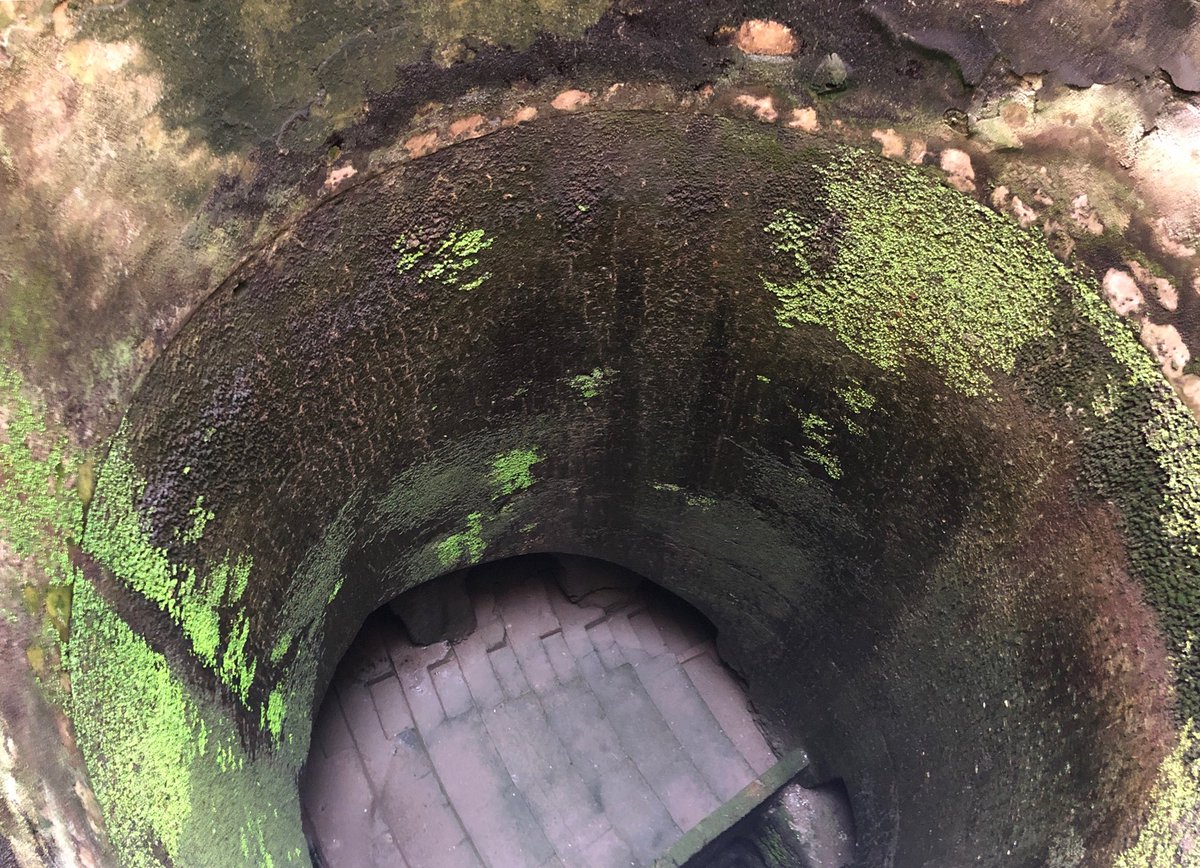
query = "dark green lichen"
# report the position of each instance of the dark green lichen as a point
(591, 385)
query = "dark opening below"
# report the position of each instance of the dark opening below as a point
(549, 710)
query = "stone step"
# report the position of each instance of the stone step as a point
(570, 814)
(649, 636)
(582, 728)
(451, 687)
(623, 633)
(390, 705)
(640, 820)
(728, 704)
(339, 802)
(605, 644)
(608, 851)
(636, 813)
(372, 743)
(648, 741)
(412, 666)
(710, 750)
(526, 610)
(560, 656)
(508, 671)
(473, 662)
(412, 798)
(491, 808)
(415, 806)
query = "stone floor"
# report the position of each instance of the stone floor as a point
(556, 734)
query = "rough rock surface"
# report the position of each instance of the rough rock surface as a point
(297, 300)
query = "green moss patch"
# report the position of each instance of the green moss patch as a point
(170, 771)
(41, 515)
(40, 510)
(204, 603)
(590, 385)
(511, 471)
(450, 261)
(1166, 837)
(904, 269)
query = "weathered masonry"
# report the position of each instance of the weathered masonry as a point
(864, 328)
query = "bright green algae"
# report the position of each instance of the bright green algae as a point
(465, 546)
(903, 269)
(117, 537)
(169, 768)
(511, 471)
(136, 724)
(450, 261)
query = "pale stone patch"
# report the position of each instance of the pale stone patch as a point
(1000, 196)
(522, 115)
(87, 61)
(98, 154)
(763, 107)
(1085, 215)
(1167, 171)
(1025, 215)
(569, 100)
(61, 19)
(1122, 292)
(959, 171)
(338, 176)
(1042, 197)
(1166, 293)
(1163, 289)
(1188, 388)
(1167, 347)
(1014, 113)
(892, 143)
(771, 38)
(1167, 234)
(420, 145)
(917, 151)
(805, 119)
(466, 127)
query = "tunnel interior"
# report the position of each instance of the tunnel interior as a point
(878, 436)
(541, 710)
